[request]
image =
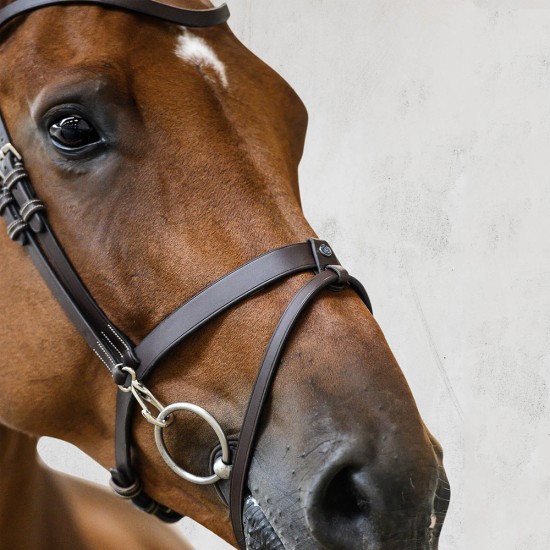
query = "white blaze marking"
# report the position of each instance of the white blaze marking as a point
(194, 49)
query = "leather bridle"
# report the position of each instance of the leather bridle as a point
(131, 364)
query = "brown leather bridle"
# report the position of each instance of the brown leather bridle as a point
(131, 364)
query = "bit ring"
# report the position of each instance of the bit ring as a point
(222, 468)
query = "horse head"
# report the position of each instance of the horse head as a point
(167, 157)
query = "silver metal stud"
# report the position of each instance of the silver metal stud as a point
(325, 250)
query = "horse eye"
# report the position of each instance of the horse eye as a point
(72, 133)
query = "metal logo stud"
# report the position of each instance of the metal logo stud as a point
(325, 250)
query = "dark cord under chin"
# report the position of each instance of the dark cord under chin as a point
(259, 532)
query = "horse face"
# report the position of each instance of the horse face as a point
(182, 165)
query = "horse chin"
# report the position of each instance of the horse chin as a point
(259, 533)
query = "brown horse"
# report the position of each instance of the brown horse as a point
(197, 174)
(41, 509)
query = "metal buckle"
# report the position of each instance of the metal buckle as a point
(9, 148)
(143, 395)
(4, 150)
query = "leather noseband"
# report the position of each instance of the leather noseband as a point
(129, 364)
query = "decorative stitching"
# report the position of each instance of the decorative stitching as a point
(107, 354)
(119, 337)
(102, 360)
(114, 347)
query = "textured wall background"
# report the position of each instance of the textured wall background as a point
(428, 168)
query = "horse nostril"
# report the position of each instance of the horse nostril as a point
(344, 498)
(340, 511)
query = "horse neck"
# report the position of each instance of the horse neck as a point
(27, 493)
(20, 466)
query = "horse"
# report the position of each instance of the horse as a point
(166, 157)
(44, 509)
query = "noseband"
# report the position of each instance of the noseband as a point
(130, 364)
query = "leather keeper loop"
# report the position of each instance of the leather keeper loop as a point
(222, 486)
(343, 277)
(129, 492)
(14, 177)
(151, 508)
(167, 514)
(30, 208)
(6, 198)
(119, 376)
(15, 228)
